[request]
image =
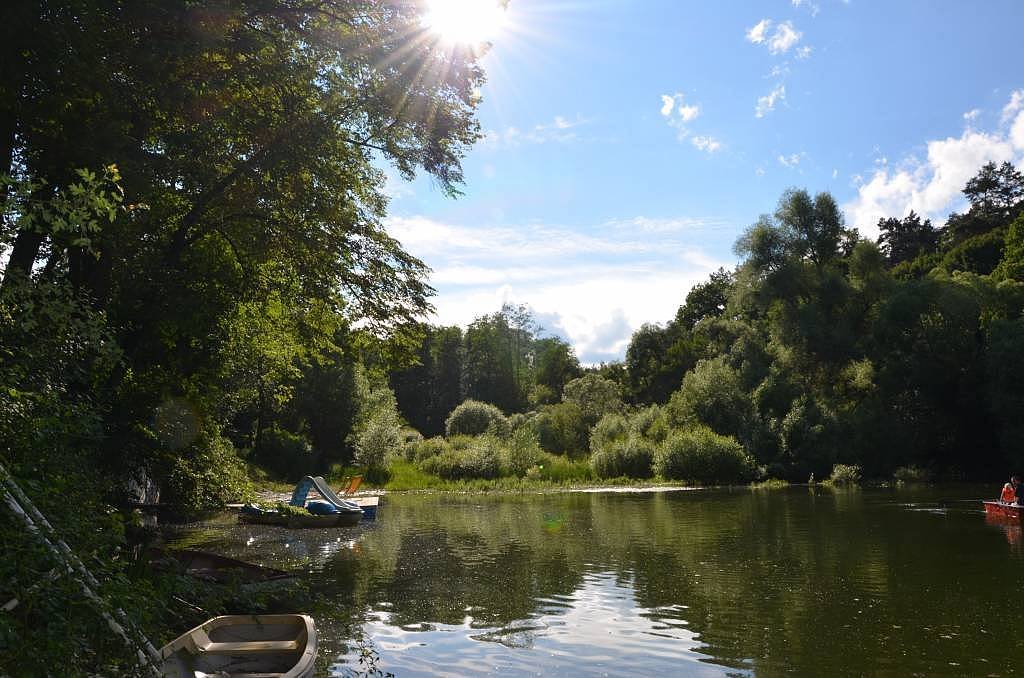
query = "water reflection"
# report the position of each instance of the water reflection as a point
(693, 583)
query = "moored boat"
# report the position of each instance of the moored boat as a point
(1002, 510)
(293, 520)
(272, 645)
(214, 567)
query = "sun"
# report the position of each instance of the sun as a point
(465, 21)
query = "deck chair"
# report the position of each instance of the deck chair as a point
(353, 484)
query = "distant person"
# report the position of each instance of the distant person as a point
(1012, 491)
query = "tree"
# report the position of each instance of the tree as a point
(246, 138)
(906, 239)
(594, 395)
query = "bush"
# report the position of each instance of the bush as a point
(285, 454)
(845, 475)
(475, 418)
(481, 460)
(912, 474)
(562, 429)
(594, 395)
(520, 453)
(651, 423)
(712, 395)
(610, 428)
(699, 454)
(424, 449)
(379, 440)
(631, 457)
(557, 469)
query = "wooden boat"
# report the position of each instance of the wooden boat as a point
(301, 521)
(278, 645)
(214, 567)
(1000, 510)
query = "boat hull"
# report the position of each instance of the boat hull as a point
(278, 645)
(302, 522)
(998, 509)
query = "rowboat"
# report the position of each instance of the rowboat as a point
(1000, 510)
(214, 567)
(294, 521)
(278, 645)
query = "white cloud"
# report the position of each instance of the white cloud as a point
(593, 287)
(706, 144)
(835, 173)
(972, 115)
(559, 130)
(792, 160)
(932, 187)
(1013, 106)
(759, 171)
(804, 52)
(756, 34)
(784, 37)
(676, 102)
(812, 6)
(766, 104)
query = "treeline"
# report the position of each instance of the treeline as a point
(820, 348)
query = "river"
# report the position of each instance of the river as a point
(802, 580)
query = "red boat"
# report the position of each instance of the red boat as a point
(1001, 510)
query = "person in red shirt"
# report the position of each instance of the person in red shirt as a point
(1011, 491)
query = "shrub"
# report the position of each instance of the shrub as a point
(631, 457)
(844, 475)
(610, 428)
(379, 440)
(699, 454)
(594, 395)
(651, 423)
(562, 429)
(481, 460)
(475, 418)
(555, 469)
(410, 438)
(712, 395)
(424, 449)
(912, 474)
(285, 454)
(520, 453)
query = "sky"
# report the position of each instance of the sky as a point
(629, 143)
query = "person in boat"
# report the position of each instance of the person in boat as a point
(1012, 491)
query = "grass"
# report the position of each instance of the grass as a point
(554, 473)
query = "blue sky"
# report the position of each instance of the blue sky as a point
(629, 143)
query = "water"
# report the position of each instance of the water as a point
(892, 582)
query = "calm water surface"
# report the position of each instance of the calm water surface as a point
(799, 581)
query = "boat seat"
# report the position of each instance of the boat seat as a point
(201, 643)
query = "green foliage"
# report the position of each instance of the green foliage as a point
(562, 429)
(473, 418)
(595, 395)
(770, 484)
(482, 459)
(698, 454)
(912, 474)
(713, 395)
(845, 475)
(630, 457)
(609, 429)
(379, 441)
(520, 453)
(286, 454)
(651, 423)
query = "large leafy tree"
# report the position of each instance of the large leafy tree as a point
(247, 137)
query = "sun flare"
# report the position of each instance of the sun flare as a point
(465, 21)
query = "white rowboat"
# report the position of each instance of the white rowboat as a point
(269, 645)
